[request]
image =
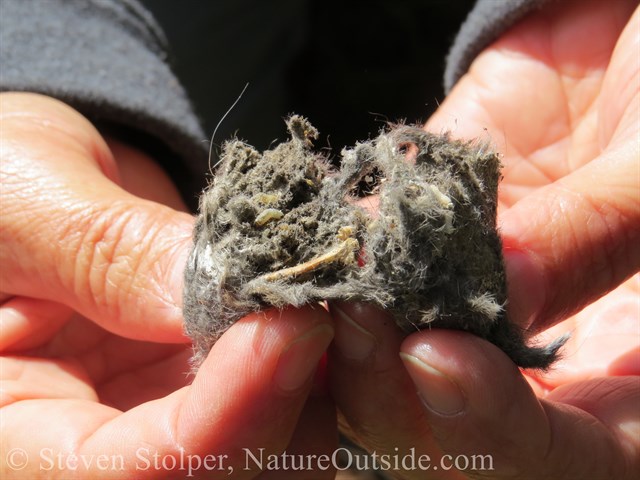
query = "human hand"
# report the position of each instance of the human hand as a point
(94, 363)
(558, 94)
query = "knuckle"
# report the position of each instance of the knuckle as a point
(103, 260)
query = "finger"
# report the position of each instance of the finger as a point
(249, 401)
(26, 323)
(620, 105)
(589, 220)
(371, 387)
(309, 453)
(480, 407)
(85, 242)
(572, 242)
(247, 397)
(627, 364)
(604, 336)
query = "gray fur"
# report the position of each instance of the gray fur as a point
(279, 228)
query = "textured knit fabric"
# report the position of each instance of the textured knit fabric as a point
(106, 59)
(486, 22)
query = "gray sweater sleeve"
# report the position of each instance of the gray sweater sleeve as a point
(106, 58)
(485, 23)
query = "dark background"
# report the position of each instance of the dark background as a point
(349, 66)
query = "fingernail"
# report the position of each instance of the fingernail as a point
(298, 362)
(439, 394)
(352, 340)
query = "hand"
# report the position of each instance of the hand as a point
(95, 373)
(558, 95)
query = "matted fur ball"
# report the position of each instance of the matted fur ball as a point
(281, 228)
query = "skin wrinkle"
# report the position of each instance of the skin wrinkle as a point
(104, 232)
(512, 151)
(18, 184)
(593, 463)
(83, 260)
(174, 250)
(81, 442)
(562, 212)
(633, 100)
(108, 268)
(19, 237)
(172, 245)
(569, 117)
(563, 120)
(602, 258)
(110, 263)
(617, 248)
(70, 379)
(596, 224)
(134, 268)
(575, 119)
(551, 450)
(70, 232)
(528, 155)
(175, 420)
(621, 17)
(623, 99)
(573, 234)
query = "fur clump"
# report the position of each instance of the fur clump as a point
(281, 228)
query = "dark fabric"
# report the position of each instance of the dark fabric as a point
(347, 66)
(486, 22)
(219, 46)
(106, 58)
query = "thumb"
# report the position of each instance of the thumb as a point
(69, 233)
(488, 421)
